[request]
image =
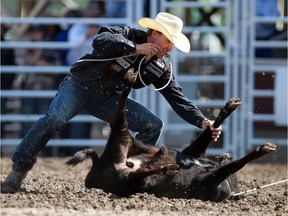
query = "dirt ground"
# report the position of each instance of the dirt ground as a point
(51, 188)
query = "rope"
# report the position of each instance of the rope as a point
(156, 89)
(260, 187)
(106, 59)
(139, 71)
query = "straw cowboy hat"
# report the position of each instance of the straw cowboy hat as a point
(170, 26)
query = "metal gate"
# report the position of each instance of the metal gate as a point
(221, 65)
(211, 76)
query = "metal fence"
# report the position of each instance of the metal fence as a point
(209, 77)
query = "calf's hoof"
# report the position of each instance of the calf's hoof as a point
(233, 103)
(170, 169)
(171, 172)
(267, 148)
(129, 78)
(162, 151)
(224, 157)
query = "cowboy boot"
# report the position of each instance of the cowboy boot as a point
(13, 181)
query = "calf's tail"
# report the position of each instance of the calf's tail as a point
(80, 156)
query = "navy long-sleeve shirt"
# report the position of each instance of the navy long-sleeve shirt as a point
(103, 75)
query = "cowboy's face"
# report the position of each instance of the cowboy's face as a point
(163, 42)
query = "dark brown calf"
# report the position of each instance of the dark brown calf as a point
(128, 166)
(125, 162)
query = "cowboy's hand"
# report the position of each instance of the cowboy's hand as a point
(148, 49)
(215, 131)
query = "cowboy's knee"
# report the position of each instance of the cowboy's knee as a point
(156, 126)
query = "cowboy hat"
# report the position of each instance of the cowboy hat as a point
(170, 26)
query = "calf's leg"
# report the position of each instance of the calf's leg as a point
(142, 173)
(215, 176)
(120, 139)
(198, 147)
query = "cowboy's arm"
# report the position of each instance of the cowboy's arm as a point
(119, 41)
(186, 109)
(114, 41)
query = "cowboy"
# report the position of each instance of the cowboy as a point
(94, 84)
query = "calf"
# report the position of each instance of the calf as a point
(125, 162)
(128, 166)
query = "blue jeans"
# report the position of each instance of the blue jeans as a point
(71, 99)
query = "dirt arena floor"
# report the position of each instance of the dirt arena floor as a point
(53, 189)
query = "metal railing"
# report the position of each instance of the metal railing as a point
(180, 128)
(264, 66)
(238, 60)
(55, 70)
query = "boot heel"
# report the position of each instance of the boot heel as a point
(13, 182)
